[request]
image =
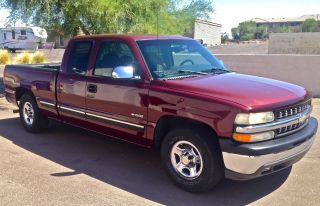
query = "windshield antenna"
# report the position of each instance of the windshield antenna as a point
(158, 52)
(157, 23)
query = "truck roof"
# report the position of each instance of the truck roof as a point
(130, 37)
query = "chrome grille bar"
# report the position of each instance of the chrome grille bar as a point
(285, 113)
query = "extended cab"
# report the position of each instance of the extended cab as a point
(172, 94)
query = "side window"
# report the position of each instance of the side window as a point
(113, 54)
(13, 34)
(23, 32)
(79, 57)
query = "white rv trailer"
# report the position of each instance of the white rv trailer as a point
(22, 38)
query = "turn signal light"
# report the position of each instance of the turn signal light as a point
(253, 137)
(242, 137)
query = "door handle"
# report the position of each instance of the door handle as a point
(92, 88)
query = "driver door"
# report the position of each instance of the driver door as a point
(116, 107)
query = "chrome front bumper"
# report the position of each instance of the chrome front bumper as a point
(251, 164)
(251, 161)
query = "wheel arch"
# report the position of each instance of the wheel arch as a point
(168, 122)
(20, 91)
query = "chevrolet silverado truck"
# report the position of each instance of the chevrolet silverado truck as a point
(169, 93)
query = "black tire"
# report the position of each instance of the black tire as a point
(207, 144)
(40, 123)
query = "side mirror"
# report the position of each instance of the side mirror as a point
(78, 71)
(123, 72)
(221, 62)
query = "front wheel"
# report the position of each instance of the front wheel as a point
(193, 159)
(30, 115)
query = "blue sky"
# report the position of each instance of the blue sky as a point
(230, 12)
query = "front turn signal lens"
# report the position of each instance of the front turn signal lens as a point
(253, 137)
(242, 137)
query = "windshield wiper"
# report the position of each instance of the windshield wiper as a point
(192, 72)
(181, 72)
(217, 70)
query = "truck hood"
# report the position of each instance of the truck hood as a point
(249, 92)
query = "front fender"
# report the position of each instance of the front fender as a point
(218, 116)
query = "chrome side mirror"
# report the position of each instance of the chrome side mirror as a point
(123, 72)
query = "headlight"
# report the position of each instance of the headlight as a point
(254, 118)
(253, 137)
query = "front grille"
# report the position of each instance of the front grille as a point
(290, 129)
(292, 111)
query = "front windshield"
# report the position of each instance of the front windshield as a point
(170, 58)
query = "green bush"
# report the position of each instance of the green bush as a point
(23, 58)
(283, 29)
(247, 37)
(4, 57)
(248, 30)
(310, 25)
(37, 57)
(224, 37)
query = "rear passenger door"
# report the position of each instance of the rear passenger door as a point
(117, 107)
(72, 84)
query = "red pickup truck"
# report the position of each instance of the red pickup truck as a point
(172, 94)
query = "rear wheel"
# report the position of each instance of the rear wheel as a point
(30, 115)
(192, 158)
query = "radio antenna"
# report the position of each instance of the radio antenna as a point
(157, 23)
(158, 52)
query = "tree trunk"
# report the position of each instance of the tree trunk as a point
(84, 29)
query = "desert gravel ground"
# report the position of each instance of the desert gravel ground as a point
(70, 166)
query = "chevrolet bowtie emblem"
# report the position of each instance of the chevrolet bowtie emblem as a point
(303, 118)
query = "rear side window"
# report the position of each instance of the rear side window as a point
(79, 57)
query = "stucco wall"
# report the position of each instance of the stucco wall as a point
(297, 69)
(294, 43)
(210, 33)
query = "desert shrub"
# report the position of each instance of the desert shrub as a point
(23, 58)
(247, 37)
(310, 25)
(284, 29)
(37, 57)
(4, 57)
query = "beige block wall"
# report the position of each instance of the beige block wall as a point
(302, 70)
(294, 43)
(210, 33)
